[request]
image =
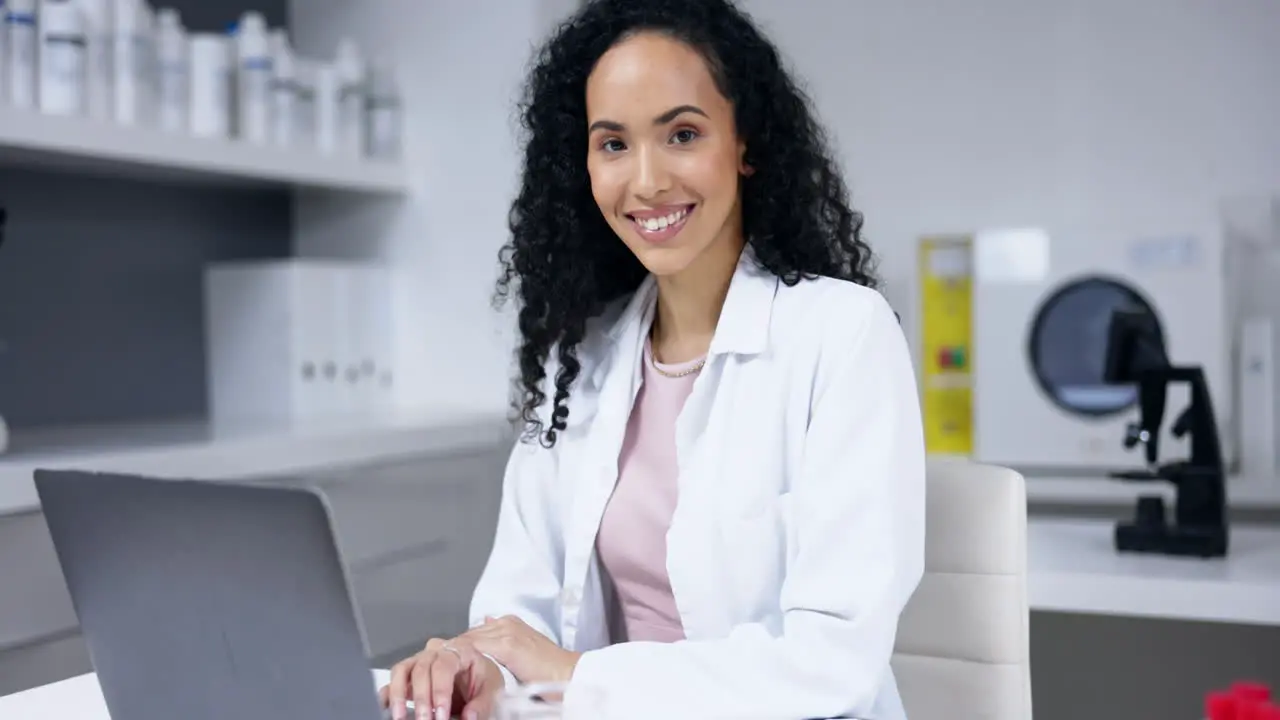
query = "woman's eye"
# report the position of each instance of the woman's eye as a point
(612, 145)
(683, 137)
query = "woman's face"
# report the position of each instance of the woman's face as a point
(663, 153)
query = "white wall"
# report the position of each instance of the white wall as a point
(947, 117)
(950, 115)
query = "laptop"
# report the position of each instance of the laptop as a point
(205, 600)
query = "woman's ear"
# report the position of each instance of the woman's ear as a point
(743, 168)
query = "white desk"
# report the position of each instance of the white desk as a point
(1071, 568)
(80, 698)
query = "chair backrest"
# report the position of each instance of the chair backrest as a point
(963, 641)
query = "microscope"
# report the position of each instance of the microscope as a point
(1136, 356)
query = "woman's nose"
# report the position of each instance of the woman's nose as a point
(651, 175)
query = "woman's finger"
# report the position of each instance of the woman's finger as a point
(397, 689)
(479, 707)
(423, 684)
(446, 672)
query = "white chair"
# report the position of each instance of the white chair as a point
(963, 647)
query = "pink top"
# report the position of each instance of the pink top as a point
(632, 543)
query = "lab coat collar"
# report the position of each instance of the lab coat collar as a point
(743, 327)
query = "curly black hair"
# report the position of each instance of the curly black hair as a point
(565, 263)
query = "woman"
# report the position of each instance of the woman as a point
(718, 509)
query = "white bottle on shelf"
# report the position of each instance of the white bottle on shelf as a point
(209, 114)
(149, 67)
(4, 53)
(98, 38)
(352, 94)
(21, 42)
(253, 79)
(173, 59)
(62, 59)
(326, 107)
(384, 119)
(127, 59)
(304, 99)
(283, 90)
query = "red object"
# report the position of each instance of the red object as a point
(1255, 710)
(1255, 691)
(1245, 700)
(1221, 705)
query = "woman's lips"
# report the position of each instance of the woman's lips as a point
(658, 227)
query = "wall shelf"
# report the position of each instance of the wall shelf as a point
(31, 139)
(198, 450)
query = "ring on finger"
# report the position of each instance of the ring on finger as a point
(449, 648)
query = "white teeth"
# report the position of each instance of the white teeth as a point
(662, 223)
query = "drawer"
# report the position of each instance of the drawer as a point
(411, 599)
(34, 602)
(44, 662)
(386, 511)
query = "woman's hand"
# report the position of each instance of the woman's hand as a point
(527, 653)
(445, 677)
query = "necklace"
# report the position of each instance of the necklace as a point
(653, 360)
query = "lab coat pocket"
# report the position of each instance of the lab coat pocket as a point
(755, 547)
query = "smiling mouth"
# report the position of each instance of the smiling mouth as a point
(664, 227)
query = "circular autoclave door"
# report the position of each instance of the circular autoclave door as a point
(1067, 348)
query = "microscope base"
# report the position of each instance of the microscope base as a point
(1205, 542)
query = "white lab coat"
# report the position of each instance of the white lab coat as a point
(798, 535)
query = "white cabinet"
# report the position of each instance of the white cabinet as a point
(298, 340)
